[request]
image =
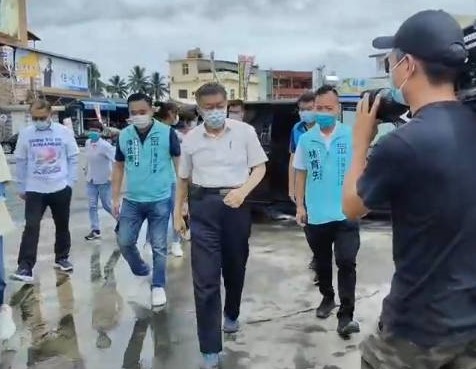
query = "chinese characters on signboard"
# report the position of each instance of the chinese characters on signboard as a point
(6, 60)
(355, 86)
(50, 71)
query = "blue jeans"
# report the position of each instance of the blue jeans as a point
(96, 192)
(132, 216)
(2, 272)
(172, 235)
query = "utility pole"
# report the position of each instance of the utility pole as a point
(212, 64)
(320, 76)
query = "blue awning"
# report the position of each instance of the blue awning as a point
(103, 105)
(122, 105)
(349, 99)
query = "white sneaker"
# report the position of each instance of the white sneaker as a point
(176, 249)
(159, 297)
(7, 325)
(139, 290)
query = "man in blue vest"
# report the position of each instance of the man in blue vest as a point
(322, 158)
(305, 105)
(144, 153)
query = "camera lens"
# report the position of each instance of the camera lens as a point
(389, 110)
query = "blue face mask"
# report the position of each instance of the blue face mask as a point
(42, 125)
(397, 92)
(326, 120)
(94, 136)
(307, 116)
(214, 118)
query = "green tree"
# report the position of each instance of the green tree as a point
(158, 87)
(96, 86)
(138, 80)
(117, 87)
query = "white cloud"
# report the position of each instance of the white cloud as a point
(283, 34)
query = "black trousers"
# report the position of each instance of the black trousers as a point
(308, 239)
(35, 206)
(345, 237)
(219, 236)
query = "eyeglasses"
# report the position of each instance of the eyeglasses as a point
(38, 119)
(386, 64)
(386, 61)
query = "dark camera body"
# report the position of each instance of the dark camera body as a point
(389, 110)
(392, 111)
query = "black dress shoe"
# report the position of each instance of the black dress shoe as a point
(346, 327)
(324, 310)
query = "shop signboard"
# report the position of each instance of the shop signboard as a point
(10, 18)
(6, 59)
(355, 86)
(50, 71)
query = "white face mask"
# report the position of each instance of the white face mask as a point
(193, 123)
(235, 116)
(141, 121)
(42, 125)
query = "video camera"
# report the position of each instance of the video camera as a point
(391, 111)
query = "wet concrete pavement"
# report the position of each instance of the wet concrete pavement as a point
(99, 317)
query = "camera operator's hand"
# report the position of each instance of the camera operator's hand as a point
(365, 128)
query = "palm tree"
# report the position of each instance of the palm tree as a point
(117, 87)
(138, 81)
(158, 87)
(96, 86)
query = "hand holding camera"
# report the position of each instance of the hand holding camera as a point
(365, 128)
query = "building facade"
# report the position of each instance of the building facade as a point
(188, 72)
(289, 84)
(27, 73)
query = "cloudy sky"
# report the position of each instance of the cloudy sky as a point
(282, 34)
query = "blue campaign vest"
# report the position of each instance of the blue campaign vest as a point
(148, 168)
(326, 169)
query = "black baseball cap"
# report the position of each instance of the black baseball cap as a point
(431, 35)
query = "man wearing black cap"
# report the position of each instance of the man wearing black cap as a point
(426, 170)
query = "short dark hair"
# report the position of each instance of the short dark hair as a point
(164, 108)
(187, 115)
(236, 102)
(95, 124)
(325, 89)
(209, 89)
(306, 97)
(436, 73)
(40, 104)
(139, 96)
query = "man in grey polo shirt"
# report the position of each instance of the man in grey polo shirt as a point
(225, 162)
(99, 159)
